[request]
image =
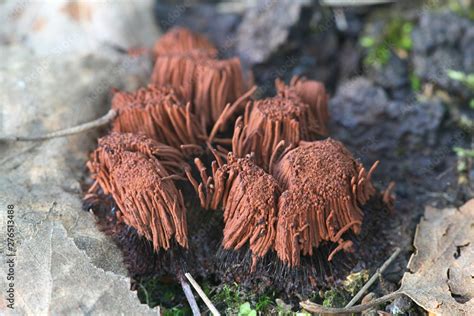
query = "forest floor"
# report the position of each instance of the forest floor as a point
(401, 84)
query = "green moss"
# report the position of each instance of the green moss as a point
(415, 82)
(232, 299)
(355, 281)
(335, 298)
(377, 56)
(461, 9)
(463, 152)
(176, 311)
(153, 292)
(466, 79)
(229, 297)
(367, 41)
(396, 35)
(466, 123)
(339, 296)
(263, 303)
(246, 310)
(464, 164)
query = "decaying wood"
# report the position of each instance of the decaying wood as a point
(316, 308)
(203, 295)
(373, 278)
(189, 296)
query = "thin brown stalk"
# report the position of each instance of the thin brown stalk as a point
(104, 120)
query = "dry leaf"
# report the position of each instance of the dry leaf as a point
(440, 275)
(441, 271)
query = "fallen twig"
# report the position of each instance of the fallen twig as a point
(316, 308)
(189, 296)
(203, 295)
(104, 120)
(371, 281)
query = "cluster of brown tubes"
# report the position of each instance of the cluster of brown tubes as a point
(313, 194)
(161, 114)
(209, 83)
(294, 114)
(138, 172)
(281, 187)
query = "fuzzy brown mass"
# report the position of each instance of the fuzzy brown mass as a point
(209, 84)
(298, 112)
(324, 188)
(290, 199)
(138, 173)
(159, 113)
(249, 199)
(313, 196)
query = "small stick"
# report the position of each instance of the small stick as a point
(101, 121)
(189, 296)
(201, 293)
(319, 309)
(376, 275)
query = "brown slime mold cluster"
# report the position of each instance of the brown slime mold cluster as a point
(324, 188)
(298, 112)
(249, 198)
(280, 187)
(209, 83)
(139, 172)
(160, 114)
(312, 196)
(156, 127)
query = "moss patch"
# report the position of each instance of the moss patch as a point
(394, 37)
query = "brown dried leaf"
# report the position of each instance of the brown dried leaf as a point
(441, 271)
